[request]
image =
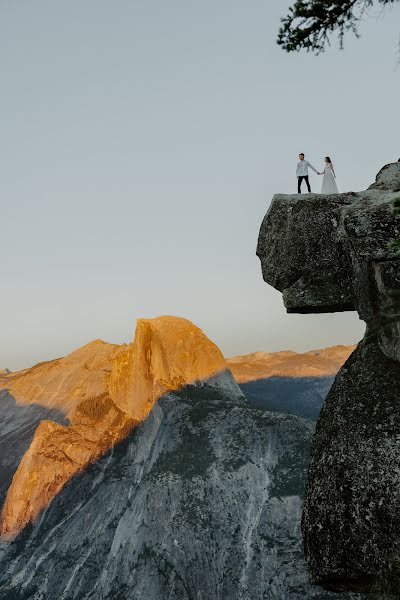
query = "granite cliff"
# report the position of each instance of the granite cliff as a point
(165, 484)
(47, 392)
(327, 254)
(167, 354)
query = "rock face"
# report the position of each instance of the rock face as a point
(61, 383)
(56, 454)
(46, 435)
(203, 500)
(17, 428)
(167, 354)
(332, 253)
(45, 395)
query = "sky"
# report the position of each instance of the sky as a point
(141, 143)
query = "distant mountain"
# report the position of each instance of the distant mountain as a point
(63, 382)
(289, 381)
(150, 477)
(105, 391)
(315, 363)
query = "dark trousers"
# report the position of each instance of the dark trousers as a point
(300, 181)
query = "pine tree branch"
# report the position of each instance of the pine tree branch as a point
(310, 24)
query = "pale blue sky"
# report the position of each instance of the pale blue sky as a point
(141, 143)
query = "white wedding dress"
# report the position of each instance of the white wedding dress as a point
(328, 182)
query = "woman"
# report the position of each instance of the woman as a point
(328, 183)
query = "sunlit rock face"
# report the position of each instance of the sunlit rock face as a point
(56, 454)
(331, 254)
(60, 384)
(167, 353)
(50, 391)
(18, 423)
(315, 363)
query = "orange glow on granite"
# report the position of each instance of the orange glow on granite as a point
(167, 353)
(315, 363)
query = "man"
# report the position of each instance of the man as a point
(302, 173)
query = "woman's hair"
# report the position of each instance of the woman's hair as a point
(328, 159)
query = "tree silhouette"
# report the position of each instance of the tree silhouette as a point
(310, 24)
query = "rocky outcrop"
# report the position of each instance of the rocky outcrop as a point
(388, 178)
(333, 253)
(167, 354)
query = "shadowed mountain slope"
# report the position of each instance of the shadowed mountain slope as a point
(202, 500)
(291, 382)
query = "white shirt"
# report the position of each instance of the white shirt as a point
(302, 168)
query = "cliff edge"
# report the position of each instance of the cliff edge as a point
(327, 254)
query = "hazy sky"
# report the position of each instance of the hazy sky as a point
(141, 144)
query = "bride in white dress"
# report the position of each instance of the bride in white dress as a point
(328, 182)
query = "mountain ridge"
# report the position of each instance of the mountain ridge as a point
(166, 354)
(313, 363)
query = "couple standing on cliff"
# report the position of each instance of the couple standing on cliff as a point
(328, 182)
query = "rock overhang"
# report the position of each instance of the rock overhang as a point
(300, 255)
(320, 251)
(328, 254)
